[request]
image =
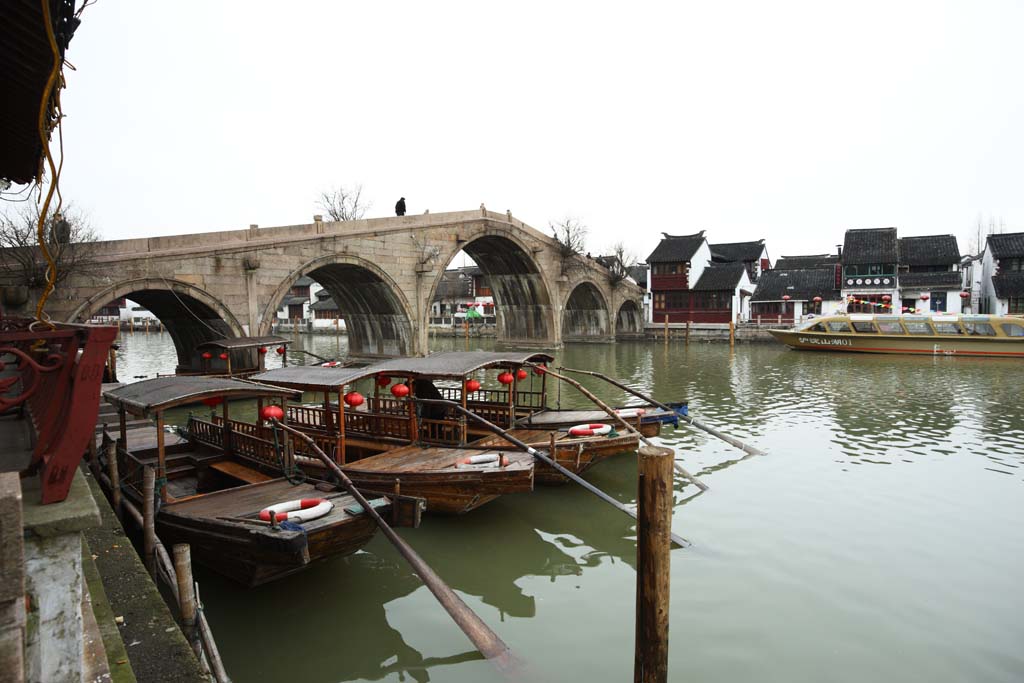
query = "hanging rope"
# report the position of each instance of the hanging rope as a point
(293, 474)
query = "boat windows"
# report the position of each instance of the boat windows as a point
(1013, 330)
(816, 327)
(890, 328)
(947, 328)
(922, 328)
(865, 327)
(980, 329)
(838, 326)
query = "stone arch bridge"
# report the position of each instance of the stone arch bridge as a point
(381, 272)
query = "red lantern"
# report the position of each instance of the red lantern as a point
(886, 298)
(223, 356)
(817, 299)
(472, 385)
(213, 401)
(354, 399)
(400, 390)
(207, 355)
(965, 295)
(505, 377)
(272, 413)
(262, 350)
(383, 380)
(280, 350)
(785, 297)
(924, 297)
(540, 370)
(521, 374)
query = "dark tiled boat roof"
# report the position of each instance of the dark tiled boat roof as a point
(944, 280)
(243, 342)
(1007, 245)
(930, 250)
(674, 248)
(719, 277)
(805, 262)
(876, 245)
(800, 285)
(1008, 284)
(152, 395)
(732, 252)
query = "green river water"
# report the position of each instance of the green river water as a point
(880, 538)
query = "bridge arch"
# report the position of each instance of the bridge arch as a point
(630, 319)
(585, 313)
(376, 313)
(522, 295)
(191, 315)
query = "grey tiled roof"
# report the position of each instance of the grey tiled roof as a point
(731, 252)
(324, 304)
(303, 282)
(1008, 284)
(1009, 244)
(943, 280)
(877, 245)
(719, 277)
(800, 285)
(930, 250)
(805, 262)
(675, 248)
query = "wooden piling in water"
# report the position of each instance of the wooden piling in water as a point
(653, 560)
(688, 331)
(148, 521)
(666, 328)
(187, 596)
(732, 333)
(115, 480)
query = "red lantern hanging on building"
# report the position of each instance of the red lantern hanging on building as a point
(817, 299)
(400, 390)
(272, 413)
(223, 356)
(262, 350)
(924, 297)
(280, 350)
(886, 298)
(472, 385)
(785, 297)
(965, 295)
(505, 377)
(354, 399)
(207, 355)
(383, 380)
(521, 374)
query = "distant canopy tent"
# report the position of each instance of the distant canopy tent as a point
(473, 313)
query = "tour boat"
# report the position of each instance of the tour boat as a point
(938, 334)
(431, 451)
(215, 487)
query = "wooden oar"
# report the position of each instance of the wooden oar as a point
(678, 540)
(615, 416)
(696, 423)
(485, 640)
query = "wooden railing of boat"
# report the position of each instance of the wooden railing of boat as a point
(243, 442)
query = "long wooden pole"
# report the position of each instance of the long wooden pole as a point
(693, 421)
(629, 428)
(148, 523)
(550, 461)
(481, 635)
(187, 596)
(115, 479)
(653, 559)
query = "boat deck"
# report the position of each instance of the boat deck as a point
(415, 458)
(551, 419)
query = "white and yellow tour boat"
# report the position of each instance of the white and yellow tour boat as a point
(939, 334)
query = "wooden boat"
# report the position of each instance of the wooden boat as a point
(213, 484)
(388, 442)
(648, 420)
(936, 334)
(234, 356)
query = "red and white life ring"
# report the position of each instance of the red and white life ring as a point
(590, 430)
(330, 364)
(299, 510)
(630, 412)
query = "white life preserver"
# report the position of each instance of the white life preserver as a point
(299, 510)
(630, 412)
(590, 430)
(485, 459)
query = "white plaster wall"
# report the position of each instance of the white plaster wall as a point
(699, 262)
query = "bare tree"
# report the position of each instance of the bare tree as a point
(619, 262)
(69, 239)
(344, 203)
(571, 236)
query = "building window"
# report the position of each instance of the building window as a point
(1016, 304)
(812, 307)
(1011, 264)
(865, 303)
(669, 268)
(659, 301)
(939, 302)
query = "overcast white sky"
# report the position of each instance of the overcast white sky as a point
(791, 121)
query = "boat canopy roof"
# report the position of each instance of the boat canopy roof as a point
(155, 395)
(448, 365)
(244, 342)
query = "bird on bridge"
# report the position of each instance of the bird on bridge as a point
(400, 207)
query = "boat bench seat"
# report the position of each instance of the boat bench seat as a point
(240, 472)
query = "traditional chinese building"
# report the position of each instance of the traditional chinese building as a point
(1003, 275)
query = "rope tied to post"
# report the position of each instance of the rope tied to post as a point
(293, 474)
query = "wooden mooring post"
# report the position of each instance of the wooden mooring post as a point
(666, 328)
(653, 564)
(148, 521)
(732, 333)
(687, 331)
(115, 480)
(187, 596)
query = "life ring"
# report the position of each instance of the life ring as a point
(590, 430)
(300, 510)
(330, 364)
(630, 412)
